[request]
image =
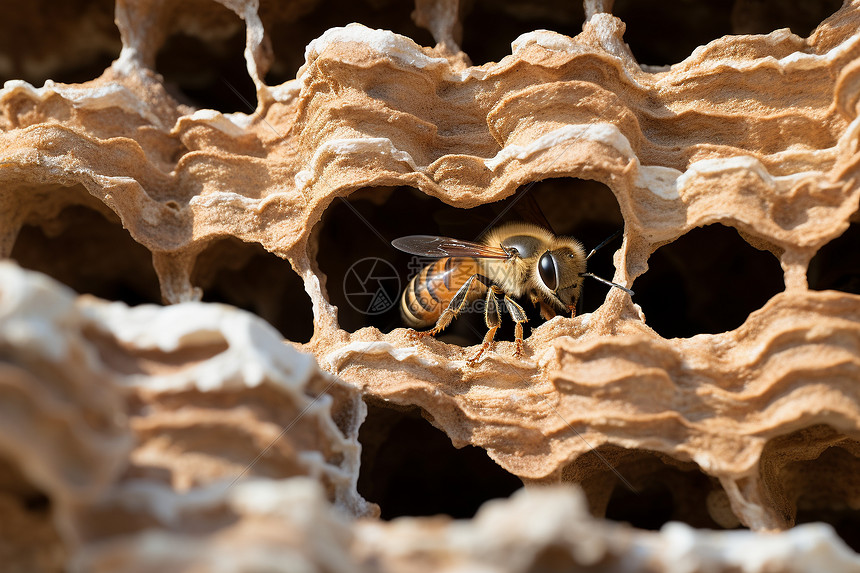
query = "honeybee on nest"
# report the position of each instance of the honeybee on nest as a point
(511, 261)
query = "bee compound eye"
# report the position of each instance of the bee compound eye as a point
(548, 271)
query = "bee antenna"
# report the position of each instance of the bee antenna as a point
(603, 244)
(606, 282)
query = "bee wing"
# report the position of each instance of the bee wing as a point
(433, 246)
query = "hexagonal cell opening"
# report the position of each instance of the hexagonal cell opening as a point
(410, 468)
(812, 475)
(707, 281)
(508, 19)
(68, 42)
(836, 266)
(355, 236)
(292, 25)
(204, 65)
(71, 248)
(247, 276)
(28, 538)
(663, 489)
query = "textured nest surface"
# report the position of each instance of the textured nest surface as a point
(264, 156)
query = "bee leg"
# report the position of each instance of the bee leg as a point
(546, 311)
(454, 307)
(519, 316)
(572, 308)
(492, 318)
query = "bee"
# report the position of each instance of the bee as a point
(511, 261)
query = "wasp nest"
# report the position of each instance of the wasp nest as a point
(264, 156)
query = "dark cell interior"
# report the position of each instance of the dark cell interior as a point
(707, 281)
(68, 42)
(830, 492)
(28, 537)
(812, 475)
(655, 489)
(663, 33)
(490, 26)
(355, 244)
(836, 266)
(411, 468)
(208, 74)
(73, 250)
(650, 507)
(291, 26)
(247, 276)
(765, 16)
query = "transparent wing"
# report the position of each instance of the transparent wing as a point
(433, 246)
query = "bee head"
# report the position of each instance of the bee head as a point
(558, 273)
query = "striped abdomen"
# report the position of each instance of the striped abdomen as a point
(428, 293)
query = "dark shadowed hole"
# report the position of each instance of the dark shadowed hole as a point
(490, 26)
(812, 475)
(206, 74)
(765, 16)
(664, 489)
(650, 508)
(836, 266)
(90, 252)
(349, 246)
(662, 33)
(292, 25)
(829, 492)
(707, 281)
(411, 468)
(247, 276)
(68, 42)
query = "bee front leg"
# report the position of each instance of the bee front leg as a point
(492, 318)
(452, 311)
(546, 311)
(519, 316)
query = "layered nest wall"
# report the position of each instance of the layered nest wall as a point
(160, 157)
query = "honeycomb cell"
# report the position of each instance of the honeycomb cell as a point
(410, 468)
(205, 67)
(707, 281)
(355, 235)
(811, 475)
(245, 275)
(70, 42)
(72, 249)
(831, 496)
(648, 489)
(836, 266)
